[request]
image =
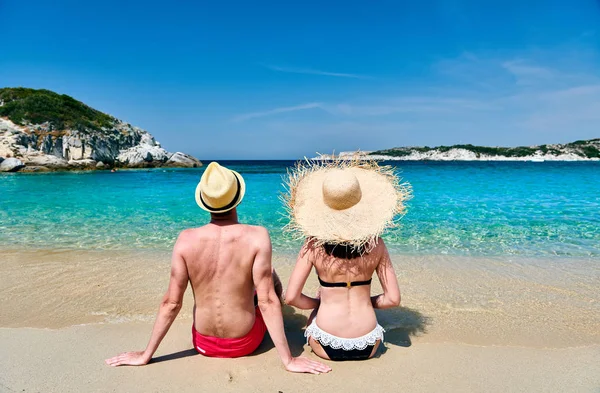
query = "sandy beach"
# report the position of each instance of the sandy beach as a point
(467, 324)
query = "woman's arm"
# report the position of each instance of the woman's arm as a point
(293, 295)
(169, 308)
(389, 283)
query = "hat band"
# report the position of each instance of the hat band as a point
(230, 205)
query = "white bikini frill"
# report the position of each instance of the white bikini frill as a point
(347, 344)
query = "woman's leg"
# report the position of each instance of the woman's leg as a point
(317, 348)
(375, 348)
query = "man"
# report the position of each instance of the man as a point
(228, 265)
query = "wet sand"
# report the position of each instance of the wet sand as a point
(467, 324)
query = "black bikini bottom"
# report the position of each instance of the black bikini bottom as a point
(354, 354)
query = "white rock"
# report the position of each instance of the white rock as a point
(148, 139)
(11, 165)
(180, 159)
(82, 163)
(100, 165)
(142, 155)
(39, 159)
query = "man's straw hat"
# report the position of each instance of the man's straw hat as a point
(220, 189)
(344, 201)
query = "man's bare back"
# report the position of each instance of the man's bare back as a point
(219, 259)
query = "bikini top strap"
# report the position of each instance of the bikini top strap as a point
(348, 284)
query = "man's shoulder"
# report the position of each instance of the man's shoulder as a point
(254, 231)
(256, 228)
(189, 232)
(192, 235)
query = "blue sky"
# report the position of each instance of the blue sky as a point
(254, 80)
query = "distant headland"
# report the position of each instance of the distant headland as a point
(42, 131)
(583, 150)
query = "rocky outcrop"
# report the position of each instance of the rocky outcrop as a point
(11, 165)
(146, 152)
(38, 158)
(122, 145)
(183, 161)
(588, 150)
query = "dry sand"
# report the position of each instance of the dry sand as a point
(476, 325)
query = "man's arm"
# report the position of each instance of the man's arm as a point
(169, 308)
(270, 306)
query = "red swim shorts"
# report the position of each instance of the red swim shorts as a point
(231, 347)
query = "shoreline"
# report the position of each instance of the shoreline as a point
(290, 255)
(470, 300)
(50, 171)
(40, 169)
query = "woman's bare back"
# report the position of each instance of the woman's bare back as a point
(346, 312)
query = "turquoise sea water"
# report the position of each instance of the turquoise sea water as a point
(459, 208)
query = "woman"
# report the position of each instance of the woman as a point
(341, 208)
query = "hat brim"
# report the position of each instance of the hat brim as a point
(239, 198)
(381, 202)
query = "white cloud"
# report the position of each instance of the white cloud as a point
(421, 105)
(253, 115)
(575, 92)
(310, 71)
(521, 69)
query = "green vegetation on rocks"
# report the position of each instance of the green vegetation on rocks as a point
(22, 106)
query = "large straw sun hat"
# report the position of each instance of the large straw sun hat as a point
(220, 189)
(343, 201)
